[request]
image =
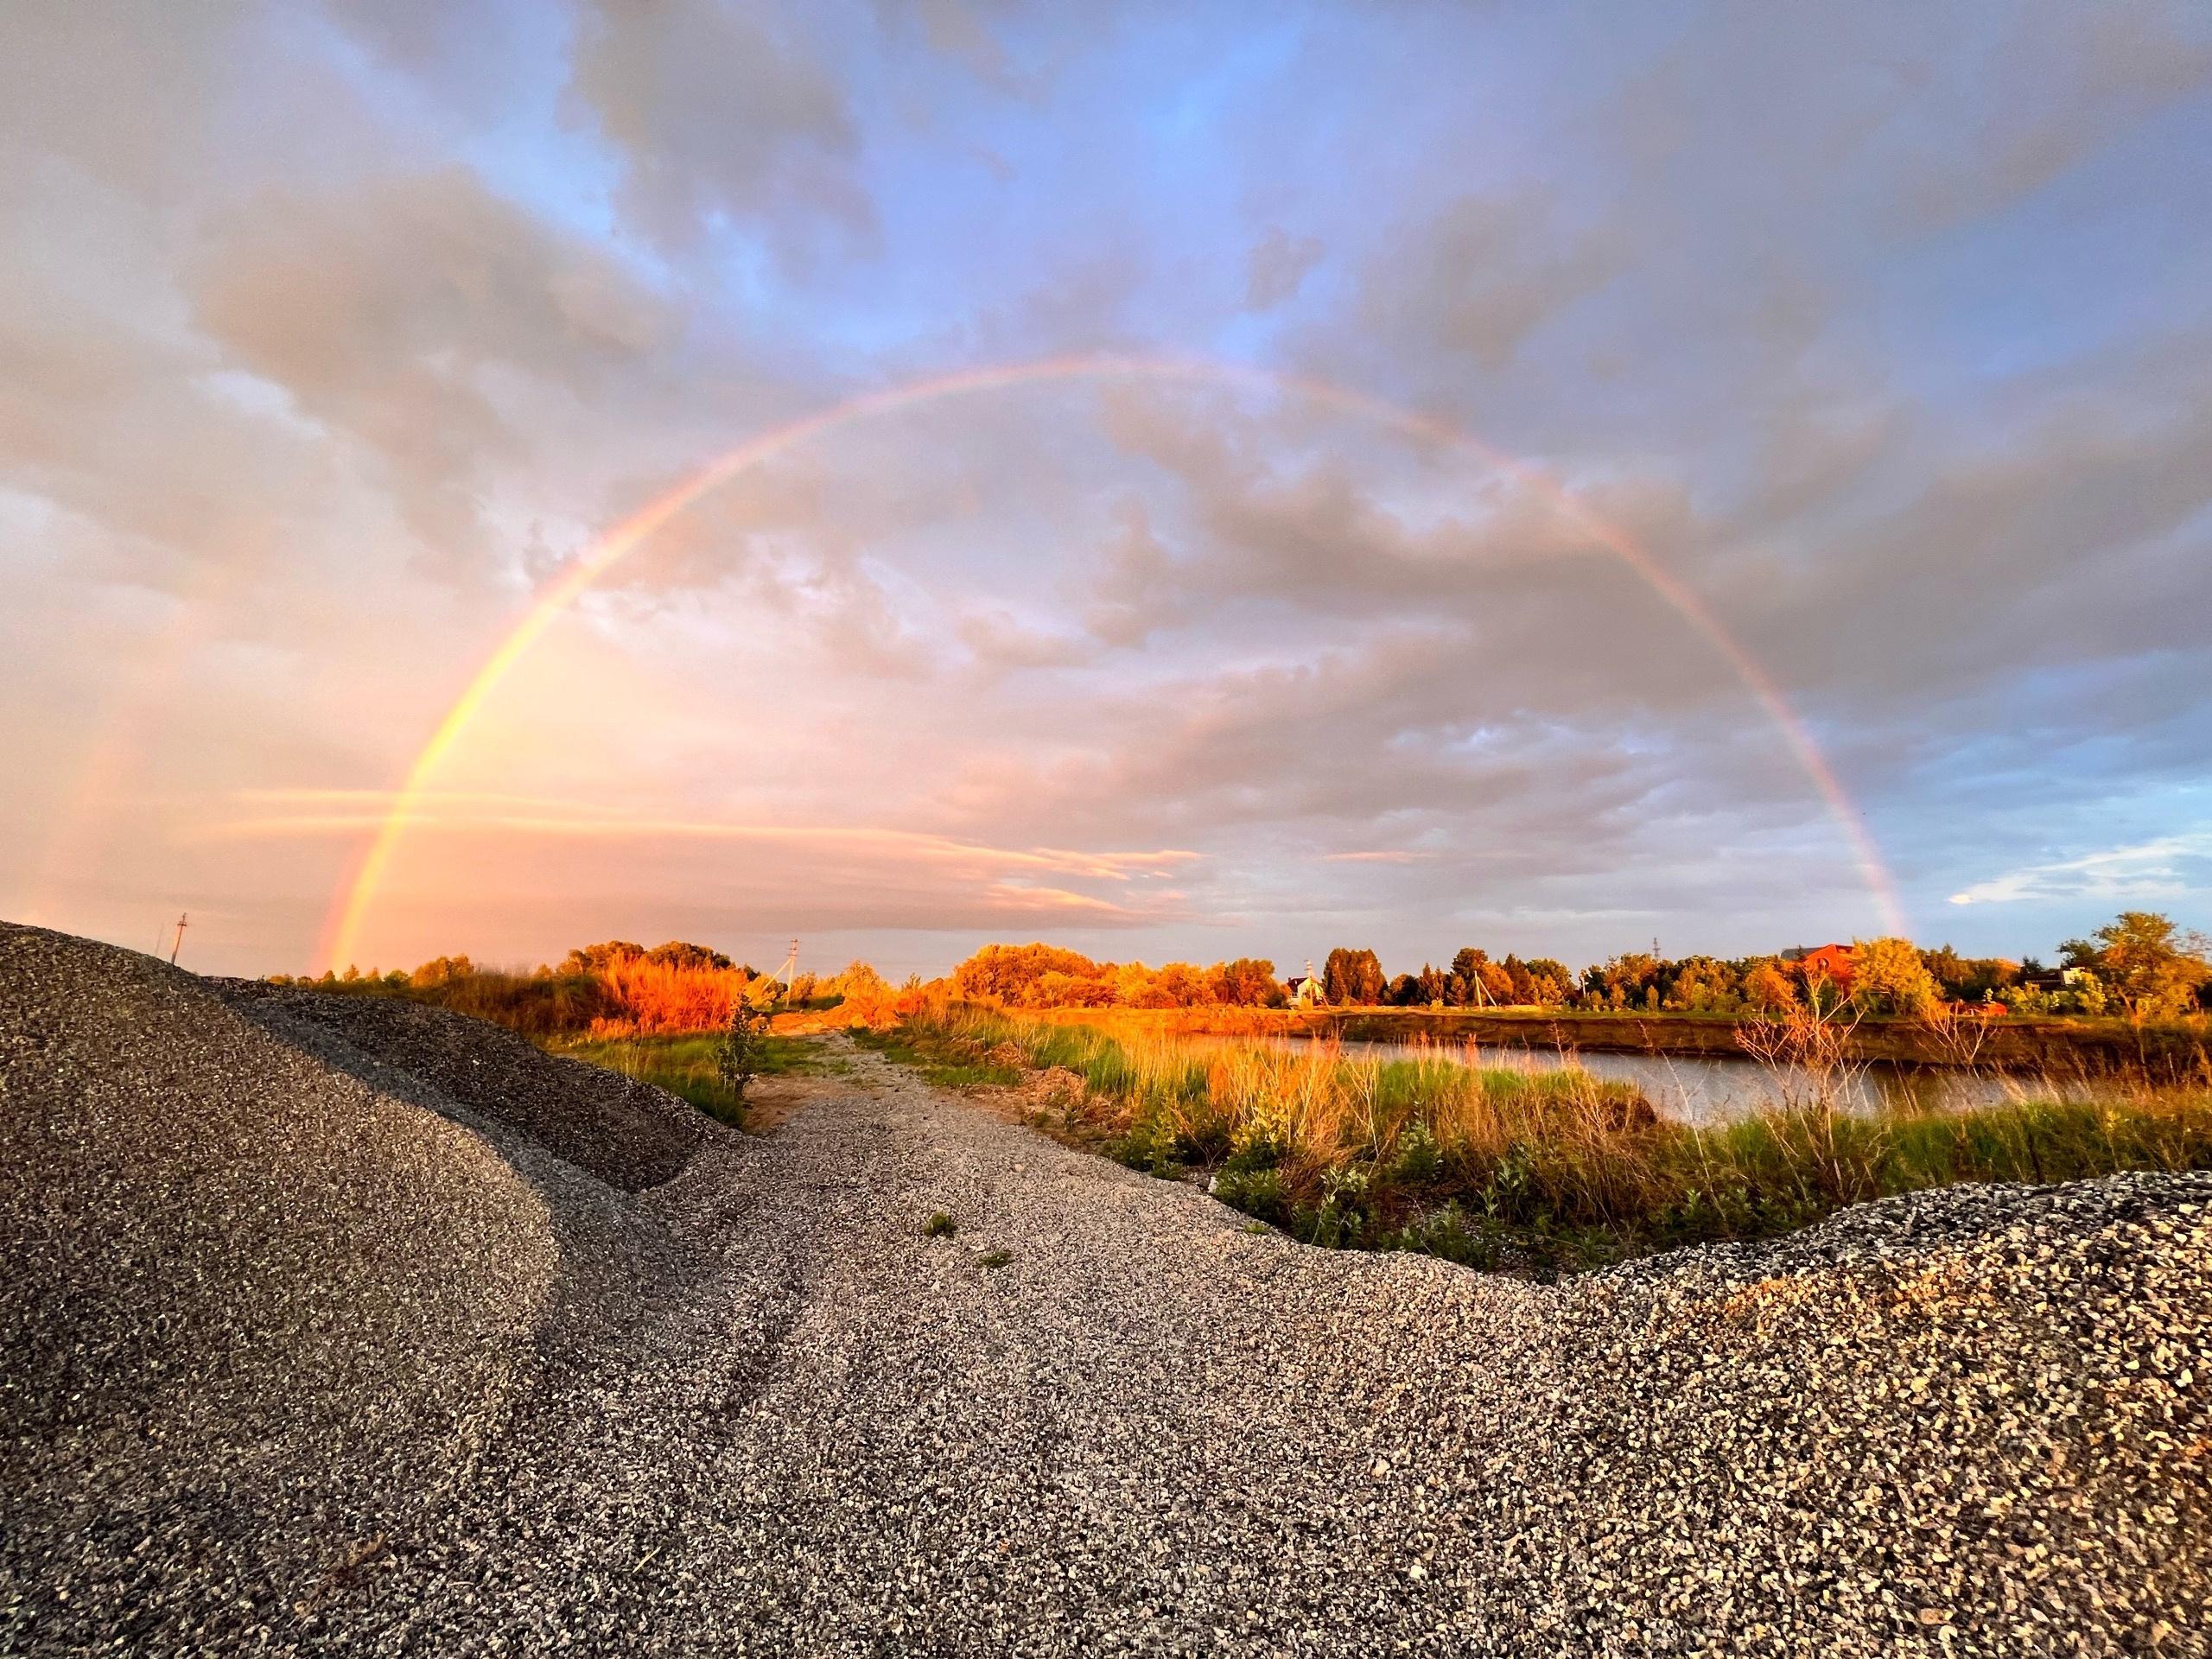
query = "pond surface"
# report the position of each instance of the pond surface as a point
(1701, 1089)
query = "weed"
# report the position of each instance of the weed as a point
(939, 1225)
(994, 1258)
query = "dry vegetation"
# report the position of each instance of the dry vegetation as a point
(1537, 1172)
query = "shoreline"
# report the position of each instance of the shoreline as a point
(2068, 1047)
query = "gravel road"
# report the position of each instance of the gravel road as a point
(306, 1354)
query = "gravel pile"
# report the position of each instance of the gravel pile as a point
(629, 1135)
(759, 1412)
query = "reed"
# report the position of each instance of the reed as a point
(1540, 1172)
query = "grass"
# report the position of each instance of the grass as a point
(684, 1064)
(1536, 1173)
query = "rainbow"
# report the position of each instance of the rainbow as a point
(351, 903)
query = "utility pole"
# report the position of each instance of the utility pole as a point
(791, 967)
(177, 943)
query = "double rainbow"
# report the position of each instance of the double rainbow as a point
(352, 902)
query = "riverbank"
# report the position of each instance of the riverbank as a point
(2056, 1048)
(1534, 1173)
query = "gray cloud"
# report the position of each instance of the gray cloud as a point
(395, 314)
(1278, 265)
(1482, 276)
(717, 116)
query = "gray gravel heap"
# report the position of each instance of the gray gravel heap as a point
(629, 1135)
(757, 1411)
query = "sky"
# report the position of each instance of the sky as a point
(1544, 476)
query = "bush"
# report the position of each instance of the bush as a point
(737, 1056)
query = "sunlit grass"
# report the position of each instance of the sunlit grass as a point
(1538, 1171)
(685, 1065)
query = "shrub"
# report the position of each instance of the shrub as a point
(737, 1056)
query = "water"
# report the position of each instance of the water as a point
(1705, 1090)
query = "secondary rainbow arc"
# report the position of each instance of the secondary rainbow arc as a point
(354, 896)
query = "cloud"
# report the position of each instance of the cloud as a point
(2165, 867)
(1482, 276)
(719, 116)
(400, 314)
(1278, 266)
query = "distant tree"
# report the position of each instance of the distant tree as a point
(1888, 977)
(597, 958)
(676, 953)
(2151, 966)
(1703, 985)
(1628, 981)
(1181, 985)
(1465, 986)
(1249, 982)
(442, 970)
(1058, 990)
(1404, 992)
(1008, 973)
(1352, 978)
(1553, 981)
(1768, 989)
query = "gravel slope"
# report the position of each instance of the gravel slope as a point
(751, 1409)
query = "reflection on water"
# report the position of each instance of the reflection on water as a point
(1697, 1089)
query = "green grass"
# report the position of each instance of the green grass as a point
(1536, 1173)
(684, 1065)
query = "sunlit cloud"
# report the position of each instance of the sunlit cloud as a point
(1384, 855)
(2166, 868)
(466, 812)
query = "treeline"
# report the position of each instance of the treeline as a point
(1046, 977)
(2141, 965)
(618, 989)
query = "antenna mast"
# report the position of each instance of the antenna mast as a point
(177, 943)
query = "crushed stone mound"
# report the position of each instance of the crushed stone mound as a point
(629, 1135)
(258, 1309)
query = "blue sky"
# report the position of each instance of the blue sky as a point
(331, 331)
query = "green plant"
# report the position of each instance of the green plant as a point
(737, 1055)
(1258, 1192)
(994, 1258)
(939, 1225)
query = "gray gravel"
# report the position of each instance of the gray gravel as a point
(304, 1354)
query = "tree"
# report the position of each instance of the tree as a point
(679, 953)
(1703, 985)
(1887, 977)
(1553, 980)
(1768, 989)
(2143, 959)
(1249, 982)
(737, 1056)
(1352, 978)
(1008, 973)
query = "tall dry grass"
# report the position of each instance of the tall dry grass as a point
(1541, 1171)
